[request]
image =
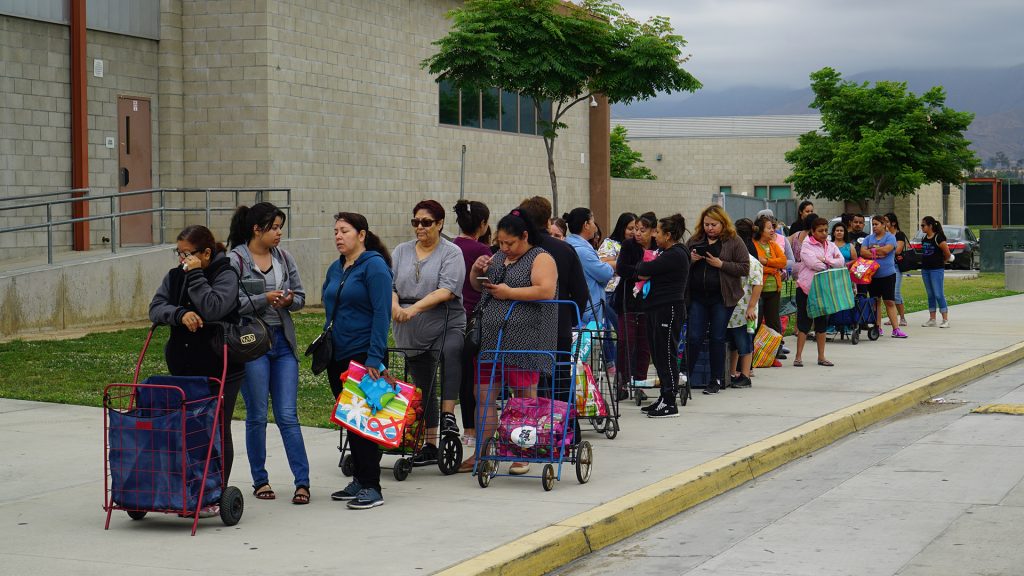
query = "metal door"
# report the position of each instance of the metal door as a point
(135, 168)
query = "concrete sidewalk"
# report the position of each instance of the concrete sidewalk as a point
(51, 469)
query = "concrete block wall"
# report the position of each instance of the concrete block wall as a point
(35, 121)
(661, 197)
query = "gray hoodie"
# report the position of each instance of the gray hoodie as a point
(291, 281)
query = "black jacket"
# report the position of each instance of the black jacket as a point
(212, 293)
(572, 285)
(630, 254)
(668, 273)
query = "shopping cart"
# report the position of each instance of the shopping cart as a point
(449, 448)
(863, 316)
(598, 401)
(163, 448)
(537, 428)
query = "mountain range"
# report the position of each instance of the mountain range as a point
(994, 95)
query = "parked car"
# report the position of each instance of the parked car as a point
(962, 242)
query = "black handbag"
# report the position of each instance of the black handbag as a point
(321, 349)
(250, 337)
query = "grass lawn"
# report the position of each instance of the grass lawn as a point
(76, 371)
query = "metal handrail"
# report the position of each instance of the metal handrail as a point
(45, 194)
(114, 213)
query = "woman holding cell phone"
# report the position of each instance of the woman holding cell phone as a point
(270, 289)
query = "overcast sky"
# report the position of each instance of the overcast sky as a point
(780, 42)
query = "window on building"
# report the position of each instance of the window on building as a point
(775, 192)
(761, 192)
(725, 189)
(492, 109)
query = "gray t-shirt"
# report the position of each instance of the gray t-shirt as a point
(273, 279)
(414, 279)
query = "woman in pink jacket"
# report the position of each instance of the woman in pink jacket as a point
(816, 254)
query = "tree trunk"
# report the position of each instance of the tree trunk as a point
(549, 146)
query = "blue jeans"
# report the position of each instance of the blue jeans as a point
(899, 288)
(275, 374)
(933, 286)
(702, 316)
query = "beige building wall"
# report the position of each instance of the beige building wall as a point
(661, 197)
(35, 122)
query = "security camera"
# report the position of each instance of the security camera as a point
(593, 102)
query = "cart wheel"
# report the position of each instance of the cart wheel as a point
(347, 467)
(855, 337)
(136, 514)
(584, 459)
(485, 466)
(874, 333)
(599, 424)
(231, 506)
(402, 468)
(450, 457)
(547, 479)
(611, 429)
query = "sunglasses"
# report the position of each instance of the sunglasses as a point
(425, 222)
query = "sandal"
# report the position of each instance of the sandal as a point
(798, 363)
(825, 363)
(264, 492)
(301, 495)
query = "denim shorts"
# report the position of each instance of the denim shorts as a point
(740, 340)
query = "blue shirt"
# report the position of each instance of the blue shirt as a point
(887, 265)
(364, 316)
(597, 273)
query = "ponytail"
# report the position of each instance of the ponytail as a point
(372, 241)
(237, 232)
(262, 215)
(575, 219)
(674, 226)
(934, 225)
(470, 214)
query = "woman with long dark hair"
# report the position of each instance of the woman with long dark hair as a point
(934, 255)
(772, 258)
(276, 292)
(201, 289)
(664, 308)
(634, 358)
(902, 243)
(598, 273)
(472, 217)
(608, 251)
(357, 295)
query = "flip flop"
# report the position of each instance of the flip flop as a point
(301, 495)
(825, 363)
(264, 492)
(798, 363)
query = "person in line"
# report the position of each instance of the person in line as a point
(719, 261)
(426, 307)
(598, 273)
(847, 249)
(520, 272)
(256, 253)
(881, 247)
(472, 217)
(892, 223)
(784, 274)
(201, 289)
(816, 254)
(634, 348)
(558, 229)
(805, 209)
(665, 310)
(357, 294)
(771, 260)
(934, 255)
(608, 251)
(741, 324)
(856, 231)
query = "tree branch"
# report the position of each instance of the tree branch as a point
(573, 103)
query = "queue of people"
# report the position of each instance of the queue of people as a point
(643, 283)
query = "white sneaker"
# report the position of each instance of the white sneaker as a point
(945, 324)
(929, 324)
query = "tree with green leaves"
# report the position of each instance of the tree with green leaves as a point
(624, 159)
(563, 52)
(879, 141)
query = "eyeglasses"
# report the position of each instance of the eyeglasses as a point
(425, 222)
(183, 255)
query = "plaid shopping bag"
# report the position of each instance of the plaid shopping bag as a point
(766, 344)
(831, 291)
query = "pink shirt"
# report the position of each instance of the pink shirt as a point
(815, 257)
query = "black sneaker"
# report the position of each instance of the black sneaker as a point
(742, 382)
(449, 426)
(427, 456)
(647, 409)
(622, 393)
(664, 411)
(349, 492)
(714, 387)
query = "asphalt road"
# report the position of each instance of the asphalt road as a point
(935, 491)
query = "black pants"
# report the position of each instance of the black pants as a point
(232, 386)
(768, 313)
(365, 454)
(663, 326)
(467, 392)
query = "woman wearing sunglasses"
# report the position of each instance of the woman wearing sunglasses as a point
(426, 303)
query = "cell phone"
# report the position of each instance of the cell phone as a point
(701, 250)
(483, 279)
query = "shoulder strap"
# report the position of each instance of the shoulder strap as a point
(341, 284)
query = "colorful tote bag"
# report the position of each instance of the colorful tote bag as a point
(831, 291)
(589, 401)
(354, 411)
(863, 270)
(766, 344)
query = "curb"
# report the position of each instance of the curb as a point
(549, 548)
